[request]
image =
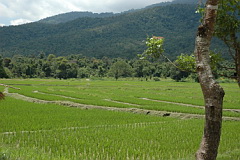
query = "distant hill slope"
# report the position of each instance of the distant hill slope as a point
(114, 36)
(66, 17)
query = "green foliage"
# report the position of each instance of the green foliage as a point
(178, 75)
(3, 73)
(4, 155)
(144, 68)
(228, 20)
(120, 69)
(84, 72)
(156, 79)
(155, 47)
(215, 60)
(186, 62)
(228, 29)
(77, 66)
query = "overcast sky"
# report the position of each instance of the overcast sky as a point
(14, 12)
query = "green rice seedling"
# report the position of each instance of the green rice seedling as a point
(168, 91)
(128, 94)
(20, 116)
(48, 131)
(177, 139)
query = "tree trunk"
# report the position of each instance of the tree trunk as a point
(213, 93)
(236, 47)
(237, 59)
(238, 66)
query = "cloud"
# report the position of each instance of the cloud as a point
(18, 11)
(19, 21)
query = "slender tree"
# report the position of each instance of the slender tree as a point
(228, 28)
(120, 69)
(212, 91)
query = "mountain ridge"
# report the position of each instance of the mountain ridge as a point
(113, 36)
(69, 16)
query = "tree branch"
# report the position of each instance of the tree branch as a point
(176, 65)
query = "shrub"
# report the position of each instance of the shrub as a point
(156, 79)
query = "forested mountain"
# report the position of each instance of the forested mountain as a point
(121, 35)
(175, 2)
(66, 17)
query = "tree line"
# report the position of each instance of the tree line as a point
(79, 66)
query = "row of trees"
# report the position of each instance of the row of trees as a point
(78, 66)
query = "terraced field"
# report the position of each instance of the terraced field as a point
(78, 119)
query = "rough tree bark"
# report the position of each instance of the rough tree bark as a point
(237, 58)
(238, 66)
(213, 93)
(236, 47)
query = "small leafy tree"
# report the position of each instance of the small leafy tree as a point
(120, 69)
(155, 47)
(227, 29)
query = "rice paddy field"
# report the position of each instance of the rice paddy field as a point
(48, 129)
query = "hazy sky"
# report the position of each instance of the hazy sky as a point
(14, 12)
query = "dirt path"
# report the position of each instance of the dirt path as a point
(188, 105)
(55, 95)
(131, 110)
(130, 104)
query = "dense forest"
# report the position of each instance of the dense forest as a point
(79, 66)
(102, 35)
(66, 17)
